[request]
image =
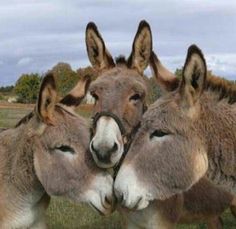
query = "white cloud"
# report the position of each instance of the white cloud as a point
(221, 64)
(48, 31)
(1, 62)
(24, 61)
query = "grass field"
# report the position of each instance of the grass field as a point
(63, 214)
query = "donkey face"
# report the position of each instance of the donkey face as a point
(119, 92)
(168, 154)
(62, 159)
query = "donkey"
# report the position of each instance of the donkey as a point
(184, 135)
(119, 91)
(112, 93)
(203, 203)
(47, 154)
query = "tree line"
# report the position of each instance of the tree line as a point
(27, 86)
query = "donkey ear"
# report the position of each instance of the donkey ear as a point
(194, 75)
(165, 79)
(47, 99)
(96, 49)
(76, 95)
(142, 48)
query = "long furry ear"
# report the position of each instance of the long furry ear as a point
(96, 49)
(47, 99)
(165, 79)
(194, 75)
(76, 95)
(142, 47)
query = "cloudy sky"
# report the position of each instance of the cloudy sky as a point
(37, 34)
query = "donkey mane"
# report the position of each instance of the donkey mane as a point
(25, 119)
(29, 116)
(121, 60)
(224, 88)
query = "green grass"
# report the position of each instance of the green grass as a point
(62, 214)
(10, 116)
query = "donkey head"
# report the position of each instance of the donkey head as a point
(167, 155)
(60, 141)
(119, 92)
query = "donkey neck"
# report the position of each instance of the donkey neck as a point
(217, 126)
(17, 167)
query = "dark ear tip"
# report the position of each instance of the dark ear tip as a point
(194, 49)
(49, 79)
(143, 24)
(91, 25)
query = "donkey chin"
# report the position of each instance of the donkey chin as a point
(100, 197)
(130, 192)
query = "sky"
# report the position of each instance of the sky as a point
(37, 34)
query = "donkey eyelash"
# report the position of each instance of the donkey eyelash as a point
(135, 97)
(65, 148)
(158, 133)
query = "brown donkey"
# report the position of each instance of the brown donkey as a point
(113, 93)
(183, 136)
(203, 203)
(119, 91)
(47, 154)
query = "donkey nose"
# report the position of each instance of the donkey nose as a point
(104, 153)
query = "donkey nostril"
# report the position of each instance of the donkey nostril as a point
(95, 150)
(101, 155)
(92, 147)
(114, 148)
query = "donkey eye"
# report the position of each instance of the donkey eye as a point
(158, 133)
(65, 148)
(135, 97)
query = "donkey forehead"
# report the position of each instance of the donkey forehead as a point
(163, 113)
(69, 124)
(119, 71)
(120, 82)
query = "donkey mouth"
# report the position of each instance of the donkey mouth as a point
(96, 209)
(136, 206)
(106, 211)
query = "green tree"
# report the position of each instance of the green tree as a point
(7, 89)
(154, 91)
(65, 77)
(27, 87)
(87, 71)
(178, 73)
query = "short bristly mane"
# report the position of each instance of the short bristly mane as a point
(224, 88)
(25, 119)
(30, 115)
(121, 60)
